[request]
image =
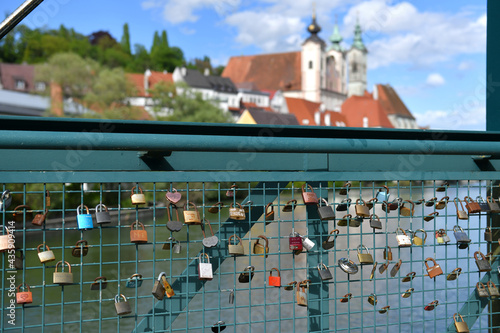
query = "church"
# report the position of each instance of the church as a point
(329, 76)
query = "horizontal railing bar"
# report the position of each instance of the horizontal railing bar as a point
(219, 143)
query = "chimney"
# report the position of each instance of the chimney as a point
(183, 71)
(317, 118)
(328, 120)
(206, 72)
(147, 74)
(375, 92)
(56, 99)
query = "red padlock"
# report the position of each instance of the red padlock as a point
(309, 198)
(274, 281)
(295, 241)
(24, 297)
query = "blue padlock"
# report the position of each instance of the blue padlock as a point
(84, 220)
(383, 194)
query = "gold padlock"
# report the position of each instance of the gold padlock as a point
(361, 209)
(431, 216)
(191, 216)
(237, 213)
(417, 240)
(236, 249)
(269, 212)
(63, 277)
(406, 211)
(461, 213)
(46, 255)
(454, 274)
(372, 299)
(461, 326)
(137, 198)
(261, 249)
(364, 258)
(388, 253)
(442, 203)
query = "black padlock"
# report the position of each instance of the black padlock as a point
(247, 275)
(375, 222)
(344, 205)
(102, 216)
(219, 326)
(325, 212)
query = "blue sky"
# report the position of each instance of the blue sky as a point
(432, 52)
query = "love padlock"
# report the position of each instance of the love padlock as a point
(236, 249)
(63, 277)
(309, 198)
(383, 194)
(81, 248)
(433, 271)
(275, 281)
(25, 296)
(137, 198)
(122, 308)
(361, 209)
(324, 272)
(259, 248)
(269, 212)
(247, 275)
(85, 221)
(191, 216)
(328, 244)
(295, 241)
(138, 235)
(325, 212)
(205, 271)
(102, 214)
(46, 255)
(461, 213)
(174, 225)
(238, 213)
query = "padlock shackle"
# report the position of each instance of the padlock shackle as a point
(322, 265)
(264, 238)
(83, 241)
(168, 211)
(360, 201)
(480, 285)
(324, 201)
(5, 194)
(65, 263)
(133, 188)
(404, 233)
(120, 296)
(430, 259)
(455, 318)
(292, 203)
(411, 275)
(274, 269)
(20, 207)
(384, 187)
(232, 236)
(489, 284)
(458, 227)
(422, 231)
(204, 255)
(374, 216)
(232, 205)
(334, 231)
(99, 207)
(461, 204)
(468, 199)
(304, 188)
(136, 275)
(78, 210)
(480, 198)
(399, 263)
(189, 203)
(346, 298)
(267, 206)
(480, 253)
(45, 246)
(100, 278)
(138, 224)
(411, 203)
(162, 274)
(24, 285)
(361, 247)
(209, 225)
(249, 269)
(488, 198)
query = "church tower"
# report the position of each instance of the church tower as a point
(356, 58)
(335, 63)
(313, 63)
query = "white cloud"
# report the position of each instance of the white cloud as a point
(435, 79)
(465, 65)
(179, 11)
(474, 119)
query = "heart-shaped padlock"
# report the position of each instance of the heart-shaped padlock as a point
(174, 196)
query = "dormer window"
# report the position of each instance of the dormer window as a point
(310, 64)
(40, 86)
(20, 84)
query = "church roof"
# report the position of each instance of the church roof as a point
(304, 110)
(391, 103)
(358, 40)
(356, 108)
(275, 71)
(336, 39)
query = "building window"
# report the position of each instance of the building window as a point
(310, 64)
(40, 86)
(354, 67)
(20, 84)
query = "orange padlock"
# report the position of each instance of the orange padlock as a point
(24, 297)
(275, 281)
(138, 235)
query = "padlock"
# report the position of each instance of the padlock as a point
(168, 243)
(482, 264)
(5, 200)
(216, 207)
(295, 241)
(454, 274)
(191, 216)
(431, 202)
(472, 206)
(247, 275)
(371, 202)
(247, 205)
(237, 213)
(173, 225)
(122, 308)
(328, 244)
(63, 277)
(81, 249)
(396, 203)
(431, 216)
(161, 287)
(102, 214)
(418, 240)
(269, 212)
(274, 281)
(22, 210)
(205, 268)
(431, 306)
(355, 221)
(19, 260)
(361, 209)
(307, 243)
(493, 205)
(301, 294)
(47, 198)
(442, 203)
(236, 249)
(383, 267)
(444, 235)
(231, 192)
(490, 257)
(137, 198)
(138, 235)
(462, 239)
(345, 188)
(231, 296)
(375, 222)
(290, 286)
(40, 218)
(209, 241)
(25, 296)
(346, 298)
(492, 289)
(135, 281)
(372, 273)
(364, 258)
(433, 271)
(7, 241)
(461, 213)
(46, 255)
(344, 205)
(488, 235)
(384, 309)
(442, 187)
(344, 221)
(388, 253)
(290, 206)
(407, 211)
(325, 212)
(460, 326)
(481, 290)
(485, 208)
(84, 220)
(99, 283)
(383, 194)
(309, 198)
(372, 299)
(219, 326)
(173, 196)
(324, 272)
(177, 247)
(407, 293)
(348, 266)
(409, 277)
(396, 268)
(439, 237)
(403, 239)
(258, 248)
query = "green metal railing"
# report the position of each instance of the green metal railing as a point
(89, 162)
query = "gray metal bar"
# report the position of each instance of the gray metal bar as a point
(220, 143)
(17, 16)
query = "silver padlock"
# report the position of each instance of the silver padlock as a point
(177, 247)
(5, 200)
(307, 243)
(122, 308)
(205, 268)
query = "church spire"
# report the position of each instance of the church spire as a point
(358, 40)
(314, 28)
(336, 38)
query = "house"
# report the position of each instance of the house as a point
(313, 113)
(20, 78)
(257, 116)
(143, 83)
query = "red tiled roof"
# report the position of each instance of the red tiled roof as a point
(391, 103)
(9, 73)
(276, 71)
(356, 108)
(249, 106)
(305, 110)
(156, 77)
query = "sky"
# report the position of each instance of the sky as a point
(432, 52)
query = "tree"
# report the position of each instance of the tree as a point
(180, 103)
(125, 42)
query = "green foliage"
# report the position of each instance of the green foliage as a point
(164, 57)
(125, 42)
(180, 103)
